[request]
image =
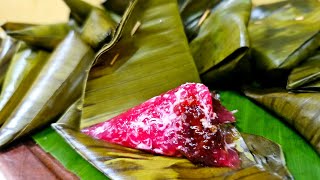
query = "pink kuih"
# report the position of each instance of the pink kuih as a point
(185, 121)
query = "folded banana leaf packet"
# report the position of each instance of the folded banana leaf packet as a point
(221, 46)
(282, 38)
(263, 58)
(306, 77)
(301, 110)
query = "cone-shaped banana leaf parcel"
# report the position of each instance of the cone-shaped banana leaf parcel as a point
(283, 38)
(221, 46)
(306, 77)
(145, 58)
(48, 91)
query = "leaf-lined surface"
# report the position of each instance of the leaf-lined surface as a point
(222, 41)
(300, 110)
(283, 39)
(42, 36)
(21, 65)
(47, 93)
(304, 76)
(302, 160)
(148, 58)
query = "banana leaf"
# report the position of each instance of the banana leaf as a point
(11, 26)
(222, 44)
(98, 29)
(79, 10)
(117, 6)
(300, 110)
(284, 9)
(44, 95)
(130, 69)
(42, 36)
(23, 63)
(192, 11)
(8, 48)
(306, 76)
(284, 39)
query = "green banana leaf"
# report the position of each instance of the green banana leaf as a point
(306, 76)
(79, 10)
(23, 63)
(192, 11)
(222, 44)
(284, 9)
(300, 110)
(42, 36)
(44, 95)
(302, 160)
(284, 39)
(8, 48)
(11, 26)
(117, 6)
(98, 29)
(130, 69)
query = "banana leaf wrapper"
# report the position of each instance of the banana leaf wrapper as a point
(306, 77)
(23, 63)
(286, 9)
(117, 6)
(116, 85)
(98, 29)
(282, 40)
(221, 47)
(79, 10)
(300, 110)
(192, 11)
(42, 36)
(8, 48)
(46, 94)
(11, 26)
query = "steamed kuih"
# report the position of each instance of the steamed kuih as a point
(182, 121)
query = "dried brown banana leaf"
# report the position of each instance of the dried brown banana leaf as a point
(23, 63)
(222, 44)
(42, 36)
(43, 96)
(300, 110)
(8, 47)
(305, 76)
(283, 40)
(193, 12)
(98, 29)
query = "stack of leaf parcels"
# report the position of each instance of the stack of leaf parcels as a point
(108, 59)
